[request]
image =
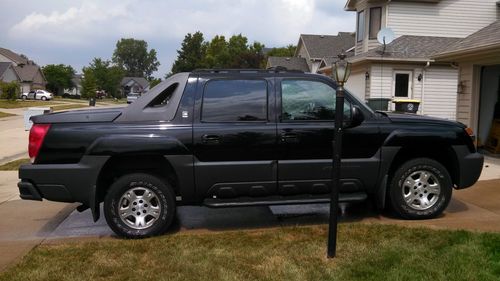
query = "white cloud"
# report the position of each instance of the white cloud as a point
(89, 24)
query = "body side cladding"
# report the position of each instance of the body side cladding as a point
(387, 155)
(470, 166)
(137, 144)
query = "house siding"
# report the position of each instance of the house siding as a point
(437, 91)
(464, 100)
(447, 18)
(440, 98)
(303, 54)
(9, 75)
(356, 84)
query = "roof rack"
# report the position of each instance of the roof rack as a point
(250, 70)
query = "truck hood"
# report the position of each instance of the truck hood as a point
(414, 118)
(79, 116)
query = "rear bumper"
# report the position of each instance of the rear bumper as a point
(470, 166)
(61, 182)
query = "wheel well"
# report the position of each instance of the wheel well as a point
(444, 155)
(120, 165)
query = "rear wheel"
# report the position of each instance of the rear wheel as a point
(44, 98)
(420, 189)
(139, 205)
(24, 97)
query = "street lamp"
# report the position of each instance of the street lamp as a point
(341, 70)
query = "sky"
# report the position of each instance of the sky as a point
(73, 32)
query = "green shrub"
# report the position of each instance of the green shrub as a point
(9, 91)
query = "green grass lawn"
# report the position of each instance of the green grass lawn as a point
(4, 114)
(14, 165)
(365, 252)
(68, 106)
(30, 103)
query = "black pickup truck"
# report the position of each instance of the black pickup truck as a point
(225, 138)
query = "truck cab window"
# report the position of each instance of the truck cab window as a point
(234, 101)
(308, 100)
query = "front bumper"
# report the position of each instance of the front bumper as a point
(470, 166)
(61, 182)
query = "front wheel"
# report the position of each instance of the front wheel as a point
(420, 189)
(44, 98)
(139, 205)
(24, 97)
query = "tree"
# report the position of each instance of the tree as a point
(288, 51)
(153, 82)
(59, 77)
(133, 56)
(191, 54)
(9, 91)
(218, 53)
(107, 77)
(89, 84)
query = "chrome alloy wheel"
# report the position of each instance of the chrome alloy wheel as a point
(421, 190)
(139, 207)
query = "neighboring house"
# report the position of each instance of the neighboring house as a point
(133, 85)
(292, 63)
(29, 74)
(314, 48)
(408, 68)
(76, 90)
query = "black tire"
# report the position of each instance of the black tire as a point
(164, 198)
(43, 98)
(423, 198)
(24, 97)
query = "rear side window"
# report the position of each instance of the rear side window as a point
(234, 101)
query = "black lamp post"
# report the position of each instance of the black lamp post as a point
(341, 70)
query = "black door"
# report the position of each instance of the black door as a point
(305, 133)
(235, 138)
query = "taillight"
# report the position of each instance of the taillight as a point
(37, 134)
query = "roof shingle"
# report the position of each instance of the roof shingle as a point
(488, 36)
(291, 63)
(410, 47)
(13, 56)
(320, 46)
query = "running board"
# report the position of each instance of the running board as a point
(282, 200)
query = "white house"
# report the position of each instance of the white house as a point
(408, 68)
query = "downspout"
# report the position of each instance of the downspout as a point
(422, 93)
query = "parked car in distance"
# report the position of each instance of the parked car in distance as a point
(234, 138)
(100, 94)
(37, 95)
(132, 97)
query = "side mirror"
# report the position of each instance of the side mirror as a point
(354, 117)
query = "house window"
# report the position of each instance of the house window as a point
(375, 21)
(360, 31)
(402, 84)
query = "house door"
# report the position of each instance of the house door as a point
(402, 84)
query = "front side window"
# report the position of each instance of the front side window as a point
(375, 22)
(360, 31)
(308, 100)
(234, 101)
